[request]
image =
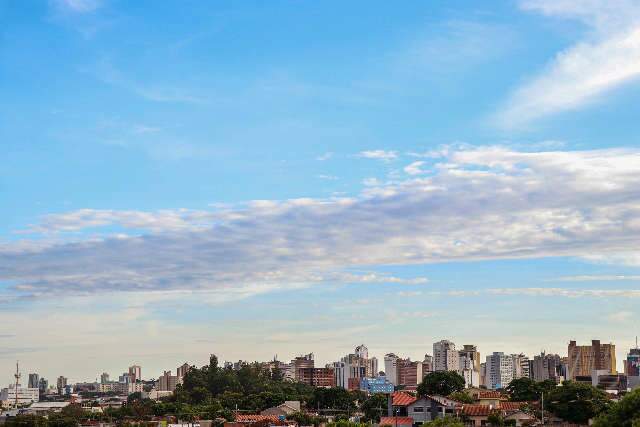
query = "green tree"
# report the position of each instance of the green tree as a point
(624, 413)
(444, 422)
(526, 389)
(374, 406)
(441, 383)
(576, 402)
(461, 396)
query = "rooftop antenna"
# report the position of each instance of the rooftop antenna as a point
(17, 376)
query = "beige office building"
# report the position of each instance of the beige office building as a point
(584, 359)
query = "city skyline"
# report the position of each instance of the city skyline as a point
(254, 180)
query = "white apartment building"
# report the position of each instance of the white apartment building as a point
(352, 367)
(520, 366)
(445, 356)
(391, 368)
(469, 365)
(25, 395)
(499, 370)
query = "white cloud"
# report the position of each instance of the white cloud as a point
(79, 6)
(488, 203)
(414, 168)
(596, 278)
(325, 156)
(585, 71)
(327, 177)
(546, 292)
(621, 316)
(379, 155)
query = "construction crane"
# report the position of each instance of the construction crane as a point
(17, 375)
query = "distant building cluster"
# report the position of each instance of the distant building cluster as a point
(593, 364)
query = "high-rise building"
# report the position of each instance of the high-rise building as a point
(351, 368)
(302, 362)
(61, 384)
(547, 367)
(469, 365)
(499, 370)
(391, 368)
(43, 386)
(135, 373)
(167, 382)
(445, 356)
(409, 373)
(104, 378)
(182, 371)
(632, 363)
(520, 366)
(317, 377)
(585, 359)
(125, 378)
(33, 380)
(427, 365)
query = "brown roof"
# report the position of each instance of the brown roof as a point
(512, 406)
(490, 395)
(402, 399)
(477, 410)
(392, 421)
(252, 418)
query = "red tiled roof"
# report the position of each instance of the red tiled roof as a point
(402, 399)
(477, 410)
(512, 406)
(252, 418)
(490, 395)
(392, 421)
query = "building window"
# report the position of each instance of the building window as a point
(418, 409)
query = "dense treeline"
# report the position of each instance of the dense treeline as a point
(252, 388)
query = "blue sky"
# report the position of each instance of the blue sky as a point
(258, 178)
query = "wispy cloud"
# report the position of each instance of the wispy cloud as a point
(169, 92)
(545, 292)
(78, 6)
(596, 278)
(585, 71)
(327, 177)
(488, 203)
(414, 168)
(379, 155)
(325, 156)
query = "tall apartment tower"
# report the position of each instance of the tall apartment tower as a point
(469, 365)
(427, 365)
(104, 378)
(135, 373)
(409, 373)
(520, 366)
(182, 371)
(391, 368)
(584, 359)
(546, 367)
(445, 356)
(351, 368)
(61, 383)
(33, 380)
(499, 370)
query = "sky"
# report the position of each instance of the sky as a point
(257, 179)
